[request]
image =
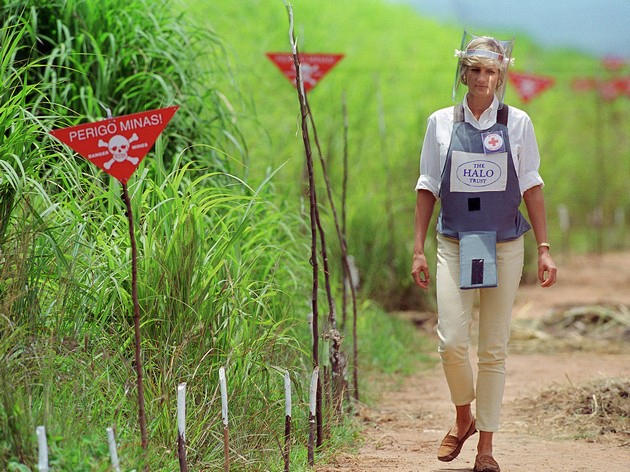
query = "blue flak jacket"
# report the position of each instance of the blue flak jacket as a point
(480, 189)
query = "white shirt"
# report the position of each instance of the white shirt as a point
(438, 139)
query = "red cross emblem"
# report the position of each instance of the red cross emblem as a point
(493, 142)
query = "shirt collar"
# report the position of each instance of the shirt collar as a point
(487, 118)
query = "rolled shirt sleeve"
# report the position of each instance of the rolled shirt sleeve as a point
(525, 150)
(434, 149)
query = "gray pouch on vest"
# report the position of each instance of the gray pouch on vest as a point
(477, 259)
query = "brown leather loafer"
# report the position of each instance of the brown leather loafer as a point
(486, 463)
(452, 445)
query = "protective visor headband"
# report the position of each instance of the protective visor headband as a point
(485, 53)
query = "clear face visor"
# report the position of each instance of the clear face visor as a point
(483, 49)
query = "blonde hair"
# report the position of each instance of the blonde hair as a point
(485, 52)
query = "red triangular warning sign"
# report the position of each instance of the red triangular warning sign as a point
(117, 145)
(314, 66)
(623, 85)
(584, 84)
(608, 89)
(613, 88)
(529, 86)
(613, 63)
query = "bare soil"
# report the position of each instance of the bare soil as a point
(403, 430)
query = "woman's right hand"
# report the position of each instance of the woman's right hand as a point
(420, 271)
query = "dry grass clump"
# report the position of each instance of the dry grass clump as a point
(590, 327)
(603, 322)
(595, 410)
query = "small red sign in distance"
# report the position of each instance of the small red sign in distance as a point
(529, 86)
(314, 66)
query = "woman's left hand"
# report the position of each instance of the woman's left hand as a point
(547, 270)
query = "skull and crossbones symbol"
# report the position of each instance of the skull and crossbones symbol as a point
(308, 74)
(119, 146)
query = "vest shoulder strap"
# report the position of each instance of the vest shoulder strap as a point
(502, 115)
(458, 113)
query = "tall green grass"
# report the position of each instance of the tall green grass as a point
(214, 291)
(219, 263)
(223, 269)
(129, 56)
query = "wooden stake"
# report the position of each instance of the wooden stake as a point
(113, 453)
(287, 420)
(136, 321)
(313, 215)
(224, 415)
(312, 415)
(344, 193)
(350, 279)
(43, 449)
(181, 427)
(340, 235)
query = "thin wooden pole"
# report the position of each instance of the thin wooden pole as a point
(344, 192)
(136, 321)
(331, 331)
(344, 253)
(313, 218)
(349, 280)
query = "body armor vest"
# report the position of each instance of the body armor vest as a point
(480, 189)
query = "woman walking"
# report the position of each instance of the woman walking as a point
(479, 160)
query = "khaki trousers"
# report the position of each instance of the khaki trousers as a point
(455, 312)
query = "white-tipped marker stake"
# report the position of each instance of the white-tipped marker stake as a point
(181, 427)
(181, 410)
(311, 419)
(224, 415)
(113, 452)
(287, 420)
(287, 394)
(43, 449)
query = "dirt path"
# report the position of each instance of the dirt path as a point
(403, 431)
